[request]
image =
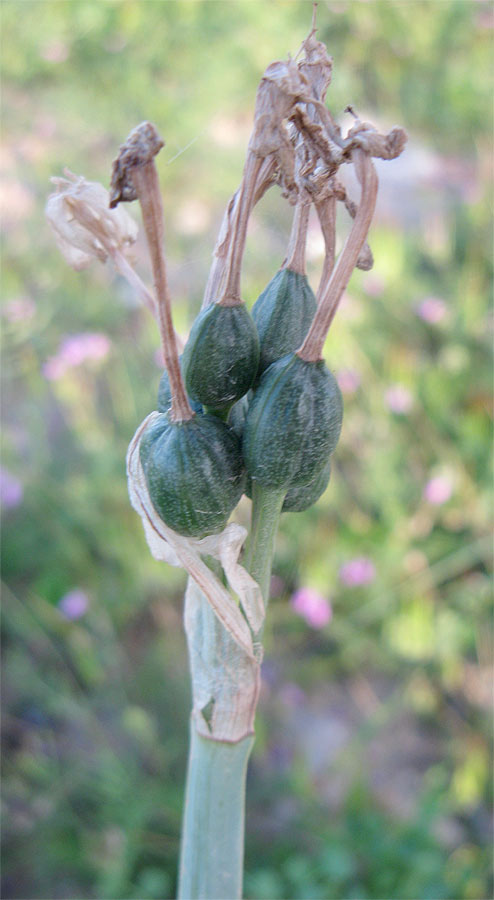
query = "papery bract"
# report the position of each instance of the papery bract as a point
(84, 226)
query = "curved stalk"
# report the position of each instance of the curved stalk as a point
(295, 255)
(231, 294)
(311, 349)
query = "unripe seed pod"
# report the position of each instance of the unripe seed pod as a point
(238, 414)
(194, 473)
(283, 314)
(293, 423)
(301, 497)
(221, 356)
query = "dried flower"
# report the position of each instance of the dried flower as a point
(358, 571)
(84, 226)
(313, 607)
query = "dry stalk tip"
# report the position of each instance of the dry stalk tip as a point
(134, 176)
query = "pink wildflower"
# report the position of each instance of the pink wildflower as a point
(438, 490)
(11, 490)
(432, 310)
(399, 399)
(75, 350)
(348, 380)
(74, 604)
(292, 695)
(358, 571)
(19, 310)
(313, 607)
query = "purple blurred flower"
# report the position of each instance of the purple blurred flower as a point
(399, 399)
(348, 380)
(11, 490)
(432, 310)
(74, 604)
(292, 695)
(73, 351)
(19, 310)
(313, 607)
(360, 570)
(438, 490)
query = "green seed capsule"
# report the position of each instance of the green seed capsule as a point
(238, 414)
(283, 314)
(303, 496)
(221, 356)
(293, 423)
(194, 473)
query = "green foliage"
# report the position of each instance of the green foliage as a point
(375, 781)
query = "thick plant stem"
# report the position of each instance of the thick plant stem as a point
(212, 847)
(212, 851)
(266, 509)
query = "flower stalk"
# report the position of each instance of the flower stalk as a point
(311, 349)
(297, 144)
(135, 176)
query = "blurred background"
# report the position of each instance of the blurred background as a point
(370, 776)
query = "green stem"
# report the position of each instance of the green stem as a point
(212, 847)
(212, 853)
(266, 509)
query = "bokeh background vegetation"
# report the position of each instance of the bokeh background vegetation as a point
(370, 776)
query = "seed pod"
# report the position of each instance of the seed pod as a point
(194, 473)
(293, 423)
(221, 356)
(238, 414)
(283, 314)
(303, 496)
(165, 394)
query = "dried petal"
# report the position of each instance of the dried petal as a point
(385, 146)
(84, 227)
